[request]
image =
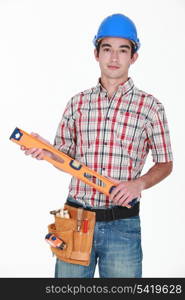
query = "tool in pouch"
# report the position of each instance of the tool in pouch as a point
(74, 232)
(54, 241)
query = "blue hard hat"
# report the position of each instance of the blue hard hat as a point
(117, 25)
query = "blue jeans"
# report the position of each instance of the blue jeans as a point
(116, 249)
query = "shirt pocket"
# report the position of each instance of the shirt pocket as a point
(129, 128)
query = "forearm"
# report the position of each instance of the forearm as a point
(56, 158)
(156, 174)
(126, 191)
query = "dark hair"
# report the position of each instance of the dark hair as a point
(132, 48)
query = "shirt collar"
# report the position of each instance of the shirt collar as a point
(124, 87)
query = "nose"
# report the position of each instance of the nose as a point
(114, 56)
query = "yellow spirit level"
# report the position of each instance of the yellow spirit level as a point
(69, 165)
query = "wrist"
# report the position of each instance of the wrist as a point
(141, 183)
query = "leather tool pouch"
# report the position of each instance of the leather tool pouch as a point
(79, 244)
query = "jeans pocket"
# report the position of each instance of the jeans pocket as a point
(128, 227)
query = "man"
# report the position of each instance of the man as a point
(111, 128)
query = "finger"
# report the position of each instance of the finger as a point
(30, 151)
(129, 200)
(40, 156)
(112, 179)
(36, 153)
(23, 148)
(118, 196)
(128, 206)
(34, 134)
(115, 191)
(123, 200)
(120, 202)
(40, 138)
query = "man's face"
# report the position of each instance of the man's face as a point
(115, 57)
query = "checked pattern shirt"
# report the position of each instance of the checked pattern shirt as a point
(112, 136)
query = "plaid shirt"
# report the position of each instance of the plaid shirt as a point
(112, 136)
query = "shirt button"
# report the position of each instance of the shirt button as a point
(105, 143)
(107, 118)
(103, 169)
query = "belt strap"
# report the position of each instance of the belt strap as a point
(110, 214)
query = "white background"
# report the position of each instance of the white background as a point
(46, 56)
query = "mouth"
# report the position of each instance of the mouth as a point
(113, 67)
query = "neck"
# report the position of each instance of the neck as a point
(111, 84)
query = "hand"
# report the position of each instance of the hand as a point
(35, 152)
(126, 191)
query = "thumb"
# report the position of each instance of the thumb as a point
(34, 134)
(112, 179)
(40, 138)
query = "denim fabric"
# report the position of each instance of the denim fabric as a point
(116, 250)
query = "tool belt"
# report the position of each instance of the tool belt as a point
(79, 244)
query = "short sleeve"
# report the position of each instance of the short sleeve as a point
(65, 139)
(159, 136)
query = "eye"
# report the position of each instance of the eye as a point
(106, 49)
(123, 51)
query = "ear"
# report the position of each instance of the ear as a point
(96, 55)
(134, 58)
